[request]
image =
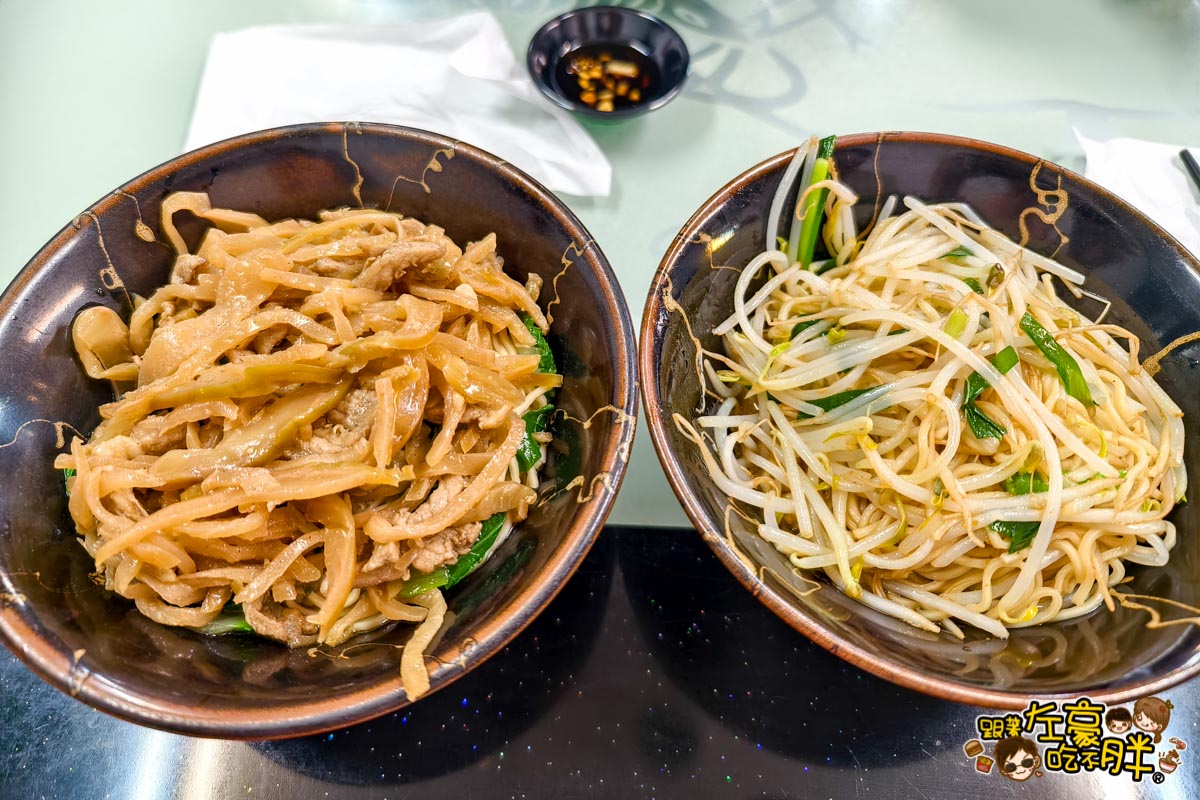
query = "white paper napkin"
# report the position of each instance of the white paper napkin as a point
(457, 77)
(1151, 177)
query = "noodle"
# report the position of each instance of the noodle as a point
(315, 428)
(924, 420)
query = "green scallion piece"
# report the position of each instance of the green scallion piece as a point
(423, 582)
(546, 361)
(800, 327)
(983, 426)
(1019, 534)
(530, 450)
(1068, 368)
(995, 276)
(835, 400)
(814, 204)
(957, 323)
(230, 620)
(1005, 360)
(1025, 483)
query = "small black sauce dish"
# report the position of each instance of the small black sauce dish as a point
(600, 33)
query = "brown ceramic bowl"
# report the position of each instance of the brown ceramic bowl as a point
(93, 644)
(1154, 284)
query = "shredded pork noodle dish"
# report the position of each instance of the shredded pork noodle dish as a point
(319, 426)
(923, 419)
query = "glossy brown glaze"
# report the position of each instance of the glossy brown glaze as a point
(1154, 284)
(93, 644)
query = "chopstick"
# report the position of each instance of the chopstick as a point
(1191, 165)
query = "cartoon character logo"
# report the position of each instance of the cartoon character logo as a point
(1017, 758)
(1071, 738)
(1118, 720)
(1152, 714)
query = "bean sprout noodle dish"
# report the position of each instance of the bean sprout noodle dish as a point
(319, 427)
(922, 419)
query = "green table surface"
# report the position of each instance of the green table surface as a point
(94, 93)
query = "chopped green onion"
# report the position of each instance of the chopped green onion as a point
(835, 400)
(814, 204)
(1068, 368)
(995, 276)
(957, 323)
(800, 327)
(231, 620)
(983, 426)
(67, 473)
(1025, 483)
(530, 450)
(1005, 360)
(424, 582)
(546, 362)
(1019, 534)
(974, 286)
(959, 252)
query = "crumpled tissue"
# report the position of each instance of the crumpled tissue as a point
(457, 77)
(1151, 177)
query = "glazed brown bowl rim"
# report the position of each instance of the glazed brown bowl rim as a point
(773, 598)
(320, 715)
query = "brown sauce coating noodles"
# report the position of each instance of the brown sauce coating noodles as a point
(310, 415)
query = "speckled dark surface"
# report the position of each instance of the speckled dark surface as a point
(653, 674)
